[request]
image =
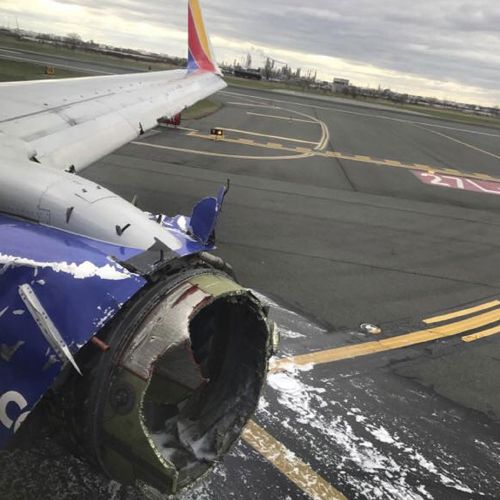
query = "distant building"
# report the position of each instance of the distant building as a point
(340, 84)
(251, 74)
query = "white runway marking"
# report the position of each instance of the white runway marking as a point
(325, 132)
(467, 145)
(369, 115)
(276, 117)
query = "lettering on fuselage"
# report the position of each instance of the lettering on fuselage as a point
(8, 400)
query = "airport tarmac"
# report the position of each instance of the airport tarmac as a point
(338, 215)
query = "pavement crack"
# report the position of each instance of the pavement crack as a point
(234, 178)
(338, 160)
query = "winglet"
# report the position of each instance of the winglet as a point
(204, 216)
(200, 54)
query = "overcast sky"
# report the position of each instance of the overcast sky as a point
(443, 48)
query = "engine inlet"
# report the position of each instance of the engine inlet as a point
(181, 382)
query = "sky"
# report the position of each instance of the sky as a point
(448, 49)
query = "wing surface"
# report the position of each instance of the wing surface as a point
(74, 122)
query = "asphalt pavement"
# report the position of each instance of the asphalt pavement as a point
(339, 215)
(329, 215)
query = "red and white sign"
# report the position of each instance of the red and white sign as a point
(463, 183)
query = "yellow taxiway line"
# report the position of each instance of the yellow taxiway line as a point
(240, 140)
(462, 312)
(288, 464)
(409, 166)
(388, 344)
(299, 472)
(307, 152)
(303, 152)
(249, 142)
(320, 147)
(481, 335)
(325, 132)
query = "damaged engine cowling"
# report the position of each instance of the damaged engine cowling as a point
(186, 362)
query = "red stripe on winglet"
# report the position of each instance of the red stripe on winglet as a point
(196, 49)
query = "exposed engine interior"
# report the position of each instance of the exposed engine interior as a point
(202, 392)
(178, 379)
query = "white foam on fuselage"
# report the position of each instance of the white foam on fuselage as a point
(78, 271)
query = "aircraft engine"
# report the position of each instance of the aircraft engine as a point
(128, 334)
(170, 382)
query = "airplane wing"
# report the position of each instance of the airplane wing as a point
(71, 123)
(159, 355)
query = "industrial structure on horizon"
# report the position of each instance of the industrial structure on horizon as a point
(273, 70)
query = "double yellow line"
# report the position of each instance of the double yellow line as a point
(474, 322)
(319, 150)
(479, 317)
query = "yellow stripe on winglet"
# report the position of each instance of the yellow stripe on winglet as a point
(200, 26)
(481, 335)
(462, 312)
(297, 471)
(388, 344)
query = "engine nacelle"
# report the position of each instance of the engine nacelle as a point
(183, 374)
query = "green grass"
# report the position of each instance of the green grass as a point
(263, 84)
(26, 71)
(81, 55)
(455, 116)
(12, 71)
(202, 109)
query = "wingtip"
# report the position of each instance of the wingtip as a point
(200, 52)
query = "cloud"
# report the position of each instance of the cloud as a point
(448, 48)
